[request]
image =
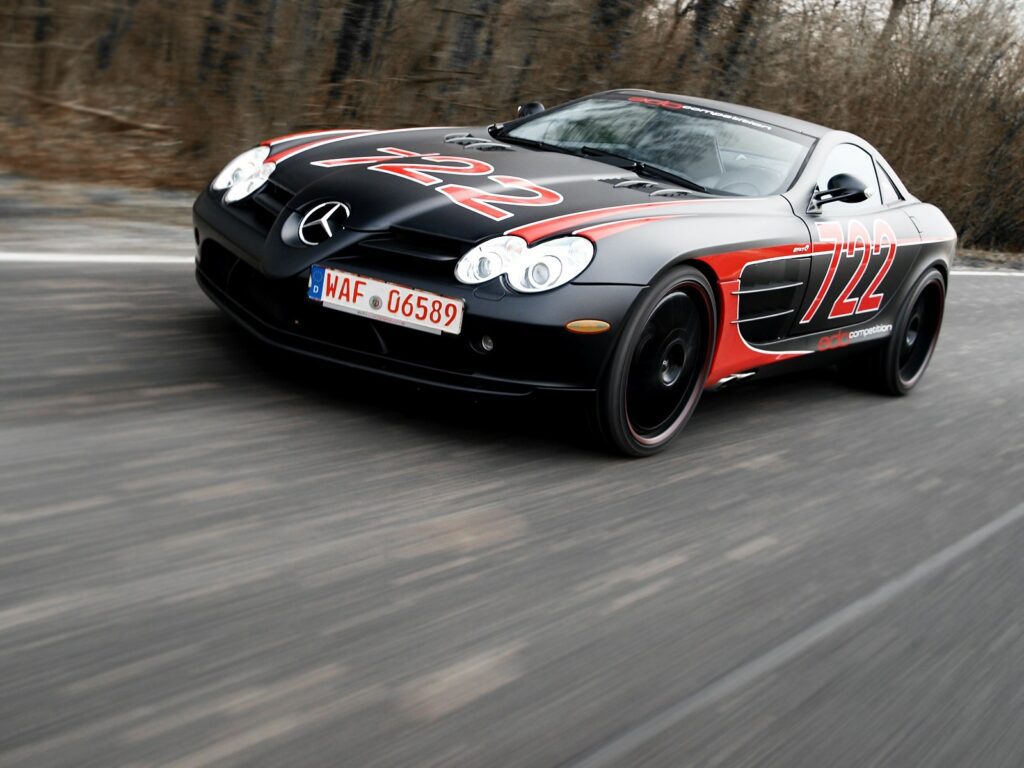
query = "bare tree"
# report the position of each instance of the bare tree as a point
(938, 85)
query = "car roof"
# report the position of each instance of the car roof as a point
(772, 118)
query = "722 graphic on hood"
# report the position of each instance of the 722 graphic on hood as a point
(477, 200)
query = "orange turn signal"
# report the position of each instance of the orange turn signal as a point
(587, 326)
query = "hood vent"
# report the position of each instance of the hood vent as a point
(637, 184)
(475, 142)
(490, 146)
(644, 185)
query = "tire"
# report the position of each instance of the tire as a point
(897, 365)
(660, 365)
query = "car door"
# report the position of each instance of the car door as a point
(860, 249)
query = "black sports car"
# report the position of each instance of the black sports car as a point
(632, 246)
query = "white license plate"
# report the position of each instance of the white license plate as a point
(390, 302)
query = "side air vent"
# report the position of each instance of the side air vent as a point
(767, 294)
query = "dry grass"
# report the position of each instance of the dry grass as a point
(147, 92)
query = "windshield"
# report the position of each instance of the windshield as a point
(723, 152)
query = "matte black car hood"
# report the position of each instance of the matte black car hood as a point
(379, 200)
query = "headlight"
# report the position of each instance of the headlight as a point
(489, 260)
(527, 269)
(244, 175)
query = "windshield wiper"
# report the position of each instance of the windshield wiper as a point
(532, 143)
(639, 166)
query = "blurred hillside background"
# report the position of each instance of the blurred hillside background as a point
(156, 93)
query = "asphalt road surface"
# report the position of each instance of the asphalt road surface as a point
(212, 555)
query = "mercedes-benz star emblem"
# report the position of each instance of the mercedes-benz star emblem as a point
(322, 221)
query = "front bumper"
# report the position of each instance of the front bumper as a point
(532, 349)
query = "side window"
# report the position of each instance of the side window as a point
(890, 194)
(847, 158)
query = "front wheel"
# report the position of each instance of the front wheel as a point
(660, 365)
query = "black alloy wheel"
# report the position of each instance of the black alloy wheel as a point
(660, 365)
(895, 366)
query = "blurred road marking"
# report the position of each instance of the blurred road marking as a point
(619, 748)
(90, 258)
(439, 693)
(751, 548)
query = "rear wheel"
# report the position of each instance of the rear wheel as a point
(660, 364)
(898, 365)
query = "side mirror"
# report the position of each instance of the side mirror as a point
(842, 188)
(529, 109)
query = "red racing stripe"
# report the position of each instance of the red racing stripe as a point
(314, 144)
(570, 221)
(599, 231)
(308, 135)
(285, 154)
(546, 227)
